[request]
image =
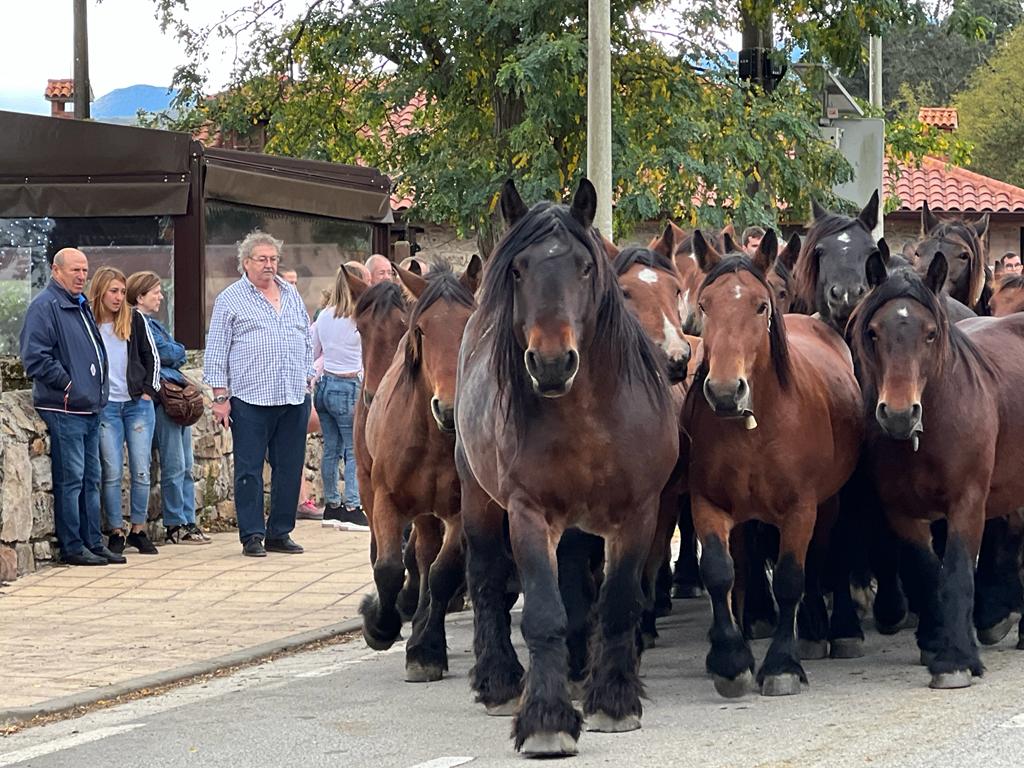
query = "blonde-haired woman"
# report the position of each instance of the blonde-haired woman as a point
(336, 338)
(128, 416)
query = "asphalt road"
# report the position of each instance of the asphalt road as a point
(348, 706)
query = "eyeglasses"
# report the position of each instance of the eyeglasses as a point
(265, 259)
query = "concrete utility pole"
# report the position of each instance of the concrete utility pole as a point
(599, 110)
(875, 71)
(81, 61)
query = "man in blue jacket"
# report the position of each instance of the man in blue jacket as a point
(62, 352)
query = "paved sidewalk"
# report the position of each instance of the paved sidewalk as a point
(68, 630)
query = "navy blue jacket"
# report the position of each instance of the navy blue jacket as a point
(62, 352)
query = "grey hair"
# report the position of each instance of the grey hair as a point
(254, 238)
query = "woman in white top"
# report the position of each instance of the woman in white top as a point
(336, 338)
(128, 416)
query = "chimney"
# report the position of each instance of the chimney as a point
(59, 93)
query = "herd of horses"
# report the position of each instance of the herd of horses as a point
(545, 421)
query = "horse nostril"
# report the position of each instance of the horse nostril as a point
(915, 412)
(860, 290)
(835, 292)
(881, 410)
(741, 389)
(572, 362)
(531, 361)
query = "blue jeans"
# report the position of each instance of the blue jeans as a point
(130, 422)
(75, 465)
(335, 402)
(259, 432)
(177, 487)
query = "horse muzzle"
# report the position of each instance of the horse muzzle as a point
(900, 424)
(552, 376)
(729, 399)
(443, 414)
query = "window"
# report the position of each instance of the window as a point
(314, 246)
(132, 244)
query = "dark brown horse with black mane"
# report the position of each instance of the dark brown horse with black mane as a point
(963, 381)
(962, 244)
(410, 438)
(558, 384)
(775, 422)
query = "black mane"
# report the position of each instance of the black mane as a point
(380, 299)
(645, 257)
(619, 343)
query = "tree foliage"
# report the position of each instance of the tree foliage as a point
(500, 89)
(992, 112)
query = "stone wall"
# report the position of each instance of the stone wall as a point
(27, 538)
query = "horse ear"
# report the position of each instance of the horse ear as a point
(512, 206)
(817, 210)
(666, 243)
(766, 251)
(883, 248)
(707, 256)
(869, 214)
(584, 203)
(937, 271)
(788, 254)
(356, 285)
(874, 270)
(980, 226)
(929, 220)
(611, 250)
(414, 267)
(414, 283)
(728, 244)
(471, 276)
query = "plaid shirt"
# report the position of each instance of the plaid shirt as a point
(263, 357)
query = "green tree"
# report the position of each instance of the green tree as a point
(501, 90)
(992, 112)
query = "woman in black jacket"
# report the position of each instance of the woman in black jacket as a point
(128, 416)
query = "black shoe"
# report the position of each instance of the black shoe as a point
(85, 557)
(285, 545)
(110, 557)
(253, 547)
(141, 542)
(353, 519)
(115, 543)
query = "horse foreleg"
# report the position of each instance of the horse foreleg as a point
(997, 584)
(781, 673)
(546, 723)
(921, 571)
(382, 624)
(578, 590)
(657, 560)
(686, 580)
(426, 655)
(729, 661)
(409, 597)
(429, 536)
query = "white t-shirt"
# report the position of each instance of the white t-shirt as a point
(117, 359)
(337, 339)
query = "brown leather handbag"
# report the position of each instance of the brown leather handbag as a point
(183, 403)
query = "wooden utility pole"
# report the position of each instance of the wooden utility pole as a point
(81, 61)
(599, 111)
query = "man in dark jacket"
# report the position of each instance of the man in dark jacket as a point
(62, 352)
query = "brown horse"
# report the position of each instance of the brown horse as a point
(558, 385)
(964, 381)
(410, 439)
(1008, 297)
(775, 420)
(962, 243)
(780, 275)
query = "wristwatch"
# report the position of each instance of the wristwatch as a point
(221, 399)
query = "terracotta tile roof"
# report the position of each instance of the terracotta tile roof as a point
(945, 118)
(60, 90)
(952, 189)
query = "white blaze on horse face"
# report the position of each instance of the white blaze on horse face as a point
(675, 345)
(684, 304)
(649, 276)
(903, 312)
(842, 237)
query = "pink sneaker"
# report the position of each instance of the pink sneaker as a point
(308, 510)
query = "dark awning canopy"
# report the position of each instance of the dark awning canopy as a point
(304, 186)
(74, 168)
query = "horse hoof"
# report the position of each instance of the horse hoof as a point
(505, 709)
(927, 657)
(601, 722)
(761, 629)
(549, 744)
(910, 621)
(950, 680)
(422, 673)
(812, 650)
(377, 643)
(648, 640)
(738, 686)
(847, 648)
(888, 629)
(995, 634)
(686, 592)
(780, 685)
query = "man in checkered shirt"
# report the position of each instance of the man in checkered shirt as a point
(259, 361)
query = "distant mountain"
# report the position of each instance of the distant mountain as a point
(126, 102)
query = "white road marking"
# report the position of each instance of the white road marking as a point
(648, 276)
(68, 742)
(1017, 721)
(330, 669)
(444, 762)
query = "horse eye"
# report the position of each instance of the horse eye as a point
(932, 336)
(587, 269)
(964, 256)
(783, 294)
(872, 334)
(700, 306)
(626, 294)
(516, 274)
(763, 308)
